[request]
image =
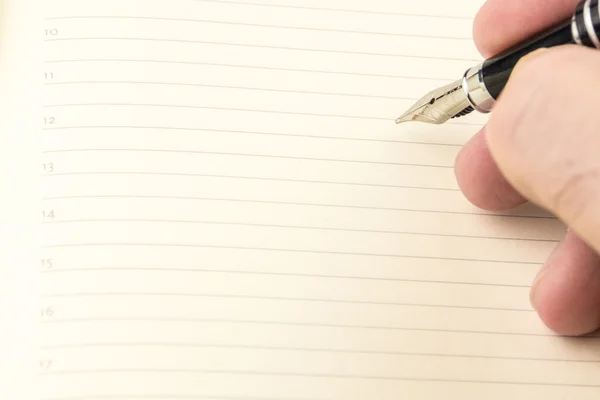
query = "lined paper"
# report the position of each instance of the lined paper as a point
(231, 213)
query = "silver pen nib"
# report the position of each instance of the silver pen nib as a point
(439, 105)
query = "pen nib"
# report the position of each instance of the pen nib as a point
(439, 105)
(404, 118)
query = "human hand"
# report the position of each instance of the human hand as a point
(542, 144)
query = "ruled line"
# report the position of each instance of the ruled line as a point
(167, 397)
(310, 350)
(269, 26)
(387, 13)
(480, 214)
(261, 67)
(57, 174)
(301, 227)
(309, 375)
(285, 48)
(364, 117)
(299, 324)
(265, 273)
(281, 299)
(212, 108)
(323, 252)
(267, 156)
(319, 137)
(259, 89)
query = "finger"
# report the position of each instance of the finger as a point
(503, 23)
(544, 135)
(566, 293)
(480, 179)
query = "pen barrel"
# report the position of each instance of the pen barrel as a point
(586, 24)
(582, 29)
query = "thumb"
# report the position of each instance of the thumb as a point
(544, 134)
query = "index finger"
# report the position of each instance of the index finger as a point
(501, 24)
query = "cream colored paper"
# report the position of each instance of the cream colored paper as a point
(231, 213)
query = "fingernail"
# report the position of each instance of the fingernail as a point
(535, 53)
(529, 57)
(552, 259)
(536, 284)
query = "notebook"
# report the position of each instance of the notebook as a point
(224, 209)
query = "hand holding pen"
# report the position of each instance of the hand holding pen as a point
(542, 142)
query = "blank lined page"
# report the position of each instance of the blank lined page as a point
(230, 212)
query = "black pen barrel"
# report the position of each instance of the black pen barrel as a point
(582, 29)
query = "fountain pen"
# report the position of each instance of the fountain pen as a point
(480, 86)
